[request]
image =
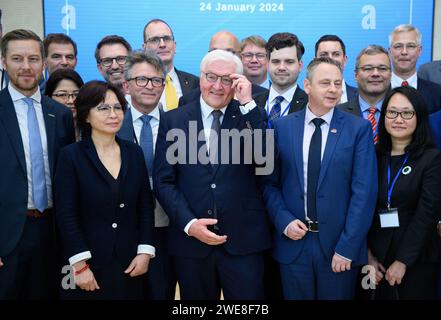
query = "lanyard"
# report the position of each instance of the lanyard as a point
(390, 187)
(267, 108)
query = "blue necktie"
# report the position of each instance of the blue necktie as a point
(314, 163)
(146, 142)
(214, 138)
(275, 110)
(39, 191)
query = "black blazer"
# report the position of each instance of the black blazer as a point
(298, 102)
(91, 217)
(352, 106)
(431, 93)
(187, 81)
(417, 196)
(351, 92)
(13, 182)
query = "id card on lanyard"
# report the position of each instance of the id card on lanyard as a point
(389, 216)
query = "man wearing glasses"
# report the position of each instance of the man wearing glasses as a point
(254, 59)
(218, 228)
(404, 50)
(372, 73)
(110, 55)
(158, 36)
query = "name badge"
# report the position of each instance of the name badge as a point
(389, 218)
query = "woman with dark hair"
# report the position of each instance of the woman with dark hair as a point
(103, 201)
(403, 241)
(63, 86)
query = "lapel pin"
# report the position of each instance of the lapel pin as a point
(233, 116)
(51, 115)
(334, 130)
(406, 170)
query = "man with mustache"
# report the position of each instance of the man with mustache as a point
(111, 55)
(404, 49)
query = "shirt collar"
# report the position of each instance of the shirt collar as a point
(206, 109)
(364, 106)
(412, 80)
(287, 95)
(173, 75)
(16, 95)
(136, 114)
(309, 116)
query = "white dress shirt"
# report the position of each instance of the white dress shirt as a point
(175, 80)
(396, 81)
(21, 109)
(344, 92)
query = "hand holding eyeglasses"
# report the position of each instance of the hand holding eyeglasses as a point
(242, 88)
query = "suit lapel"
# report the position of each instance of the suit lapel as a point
(297, 143)
(127, 132)
(335, 130)
(297, 102)
(10, 122)
(49, 121)
(92, 154)
(124, 160)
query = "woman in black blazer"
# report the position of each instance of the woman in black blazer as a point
(103, 202)
(403, 241)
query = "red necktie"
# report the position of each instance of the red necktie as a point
(371, 118)
(404, 83)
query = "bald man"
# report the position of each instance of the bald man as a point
(225, 40)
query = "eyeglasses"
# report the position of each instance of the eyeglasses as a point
(144, 81)
(406, 115)
(107, 62)
(409, 46)
(106, 109)
(157, 40)
(370, 69)
(65, 96)
(248, 56)
(211, 77)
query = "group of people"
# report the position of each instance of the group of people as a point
(153, 176)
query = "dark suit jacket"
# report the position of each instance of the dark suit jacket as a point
(351, 92)
(188, 191)
(346, 190)
(187, 81)
(298, 101)
(435, 121)
(431, 93)
(431, 71)
(13, 182)
(417, 196)
(87, 207)
(196, 93)
(352, 106)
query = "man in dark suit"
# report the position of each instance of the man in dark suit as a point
(405, 49)
(145, 78)
(218, 226)
(285, 53)
(322, 194)
(372, 73)
(332, 46)
(159, 37)
(32, 130)
(430, 71)
(435, 122)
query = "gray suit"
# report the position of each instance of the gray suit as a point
(431, 71)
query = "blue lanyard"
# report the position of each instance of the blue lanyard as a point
(390, 187)
(267, 107)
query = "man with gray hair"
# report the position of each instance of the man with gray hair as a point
(322, 194)
(218, 226)
(405, 48)
(144, 75)
(372, 73)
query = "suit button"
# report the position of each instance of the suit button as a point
(121, 205)
(114, 225)
(210, 212)
(213, 186)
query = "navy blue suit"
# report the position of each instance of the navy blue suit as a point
(351, 92)
(193, 191)
(94, 215)
(346, 195)
(431, 93)
(435, 122)
(14, 225)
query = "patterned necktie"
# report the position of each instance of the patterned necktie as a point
(215, 137)
(404, 83)
(314, 164)
(373, 121)
(171, 98)
(146, 142)
(39, 192)
(275, 110)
